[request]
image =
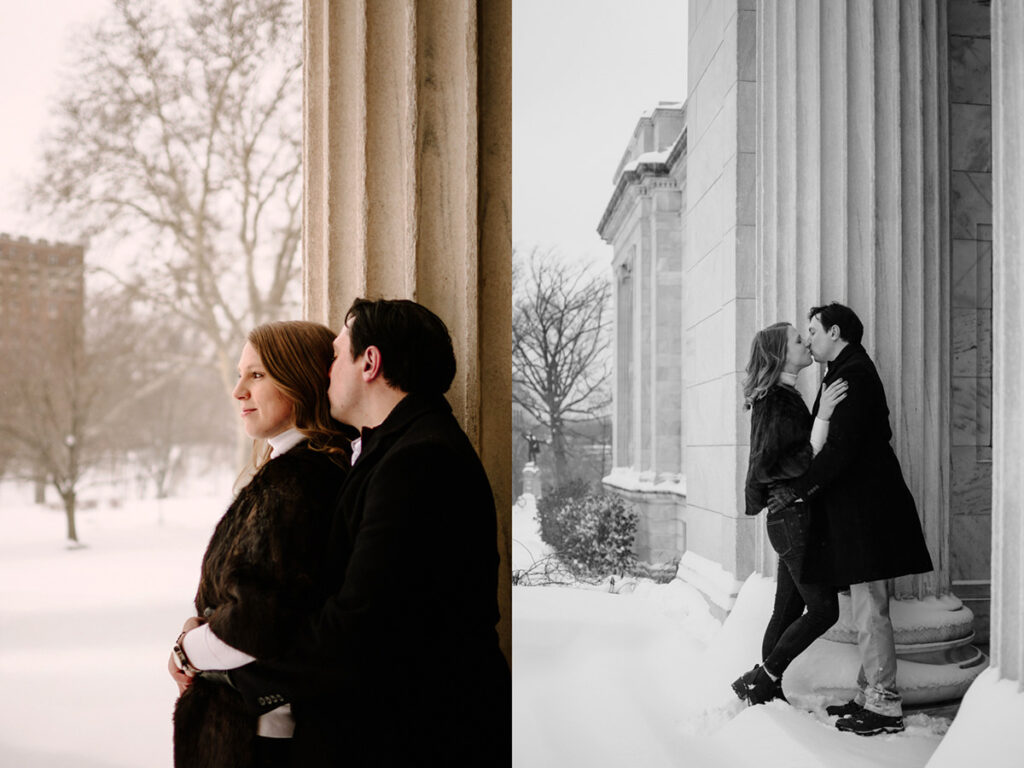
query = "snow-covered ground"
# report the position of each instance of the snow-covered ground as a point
(85, 633)
(636, 677)
(640, 677)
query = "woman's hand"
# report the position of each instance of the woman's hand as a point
(182, 678)
(183, 681)
(831, 396)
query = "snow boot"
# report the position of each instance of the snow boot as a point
(868, 723)
(756, 687)
(842, 710)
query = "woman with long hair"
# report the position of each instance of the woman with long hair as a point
(783, 441)
(264, 565)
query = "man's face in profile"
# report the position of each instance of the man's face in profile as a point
(346, 380)
(823, 347)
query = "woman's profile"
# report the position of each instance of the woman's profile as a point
(783, 441)
(264, 566)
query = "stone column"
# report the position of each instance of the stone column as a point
(1007, 634)
(624, 455)
(853, 206)
(407, 155)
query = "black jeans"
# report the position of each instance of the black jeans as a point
(790, 631)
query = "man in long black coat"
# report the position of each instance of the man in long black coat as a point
(865, 529)
(402, 665)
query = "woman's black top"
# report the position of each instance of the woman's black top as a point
(780, 444)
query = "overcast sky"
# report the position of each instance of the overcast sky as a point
(583, 72)
(33, 36)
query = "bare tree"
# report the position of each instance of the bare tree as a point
(59, 401)
(560, 366)
(180, 128)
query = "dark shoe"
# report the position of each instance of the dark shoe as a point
(842, 710)
(755, 687)
(868, 723)
(777, 693)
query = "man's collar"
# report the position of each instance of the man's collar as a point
(847, 351)
(409, 408)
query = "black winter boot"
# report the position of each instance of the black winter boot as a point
(756, 687)
(842, 710)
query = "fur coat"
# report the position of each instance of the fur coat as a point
(780, 444)
(263, 572)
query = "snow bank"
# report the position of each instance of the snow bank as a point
(989, 728)
(641, 678)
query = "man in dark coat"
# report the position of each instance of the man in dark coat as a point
(865, 529)
(402, 665)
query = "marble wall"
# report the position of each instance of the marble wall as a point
(970, 110)
(718, 275)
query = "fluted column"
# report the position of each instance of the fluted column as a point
(852, 206)
(1007, 634)
(407, 153)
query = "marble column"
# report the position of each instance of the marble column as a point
(853, 206)
(407, 156)
(1007, 634)
(988, 721)
(624, 455)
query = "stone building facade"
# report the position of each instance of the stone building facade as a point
(644, 224)
(846, 152)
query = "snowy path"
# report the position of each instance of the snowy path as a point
(85, 634)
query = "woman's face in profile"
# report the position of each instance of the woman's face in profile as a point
(798, 356)
(265, 411)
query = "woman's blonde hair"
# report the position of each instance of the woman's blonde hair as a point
(297, 355)
(767, 359)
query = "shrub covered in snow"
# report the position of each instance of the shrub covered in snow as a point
(592, 533)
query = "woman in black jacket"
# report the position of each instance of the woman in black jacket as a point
(783, 441)
(263, 571)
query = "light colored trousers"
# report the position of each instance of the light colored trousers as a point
(869, 603)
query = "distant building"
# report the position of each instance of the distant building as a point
(644, 223)
(42, 288)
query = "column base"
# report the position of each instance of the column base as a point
(935, 659)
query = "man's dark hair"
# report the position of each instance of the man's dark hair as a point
(851, 329)
(414, 343)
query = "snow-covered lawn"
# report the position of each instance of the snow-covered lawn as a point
(85, 633)
(638, 678)
(641, 678)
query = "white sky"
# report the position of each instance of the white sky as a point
(33, 36)
(583, 72)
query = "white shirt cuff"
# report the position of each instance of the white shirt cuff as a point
(207, 651)
(819, 434)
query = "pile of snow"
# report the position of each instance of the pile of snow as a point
(987, 730)
(638, 674)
